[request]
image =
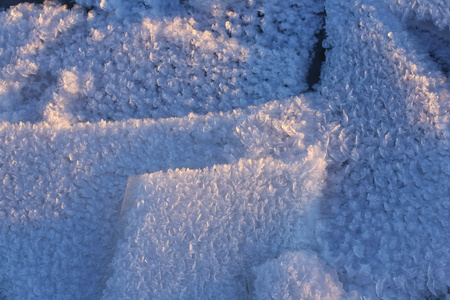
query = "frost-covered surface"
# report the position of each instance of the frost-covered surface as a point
(386, 216)
(196, 234)
(62, 190)
(297, 275)
(436, 11)
(90, 66)
(359, 171)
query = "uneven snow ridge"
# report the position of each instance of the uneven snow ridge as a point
(158, 149)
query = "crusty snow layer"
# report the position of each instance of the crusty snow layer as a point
(169, 149)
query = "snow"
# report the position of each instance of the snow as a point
(170, 149)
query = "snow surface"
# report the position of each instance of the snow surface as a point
(169, 149)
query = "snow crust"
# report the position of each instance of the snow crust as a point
(169, 149)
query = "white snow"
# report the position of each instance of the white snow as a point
(170, 150)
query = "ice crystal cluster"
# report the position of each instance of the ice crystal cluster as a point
(158, 149)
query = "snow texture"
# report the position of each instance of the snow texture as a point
(436, 11)
(195, 234)
(297, 275)
(385, 224)
(62, 190)
(84, 67)
(169, 149)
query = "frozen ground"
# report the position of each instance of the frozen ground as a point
(180, 150)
